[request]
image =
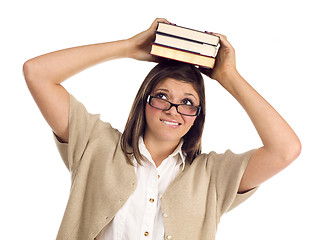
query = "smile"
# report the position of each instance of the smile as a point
(170, 123)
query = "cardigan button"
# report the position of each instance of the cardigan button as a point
(165, 215)
(169, 237)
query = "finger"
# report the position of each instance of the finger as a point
(223, 40)
(162, 20)
(220, 35)
(157, 20)
(154, 24)
(217, 34)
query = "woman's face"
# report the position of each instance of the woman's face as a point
(170, 125)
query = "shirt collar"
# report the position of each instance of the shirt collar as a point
(178, 151)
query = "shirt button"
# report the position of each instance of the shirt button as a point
(151, 200)
(169, 237)
(158, 176)
(146, 234)
(165, 215)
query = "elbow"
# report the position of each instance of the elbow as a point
(293, 151)
(32, 71)
(28, 70)
(286, 153)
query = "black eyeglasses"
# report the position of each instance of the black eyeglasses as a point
(183, 109)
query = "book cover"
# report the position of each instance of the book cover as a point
(188, 33)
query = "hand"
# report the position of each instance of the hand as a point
(225, 60)
(140, 44)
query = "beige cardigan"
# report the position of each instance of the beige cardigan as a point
(102, 181)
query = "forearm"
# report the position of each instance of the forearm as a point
(58, 66)
(276, 135)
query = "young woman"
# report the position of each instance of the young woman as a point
(152, 181)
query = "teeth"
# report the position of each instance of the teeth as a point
(170, 123)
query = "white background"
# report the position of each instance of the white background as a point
(277, 47)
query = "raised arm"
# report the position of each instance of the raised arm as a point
(281, 146)
(44, 74)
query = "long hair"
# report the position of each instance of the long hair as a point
(136, 122)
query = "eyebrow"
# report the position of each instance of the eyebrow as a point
(166, 90)
(162, 89)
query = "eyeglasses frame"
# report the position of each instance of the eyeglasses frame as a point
(174, 105)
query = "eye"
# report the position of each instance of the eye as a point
(187, 101)
(161, 95)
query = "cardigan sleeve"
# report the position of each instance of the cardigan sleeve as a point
(229, 169)
(81, 124)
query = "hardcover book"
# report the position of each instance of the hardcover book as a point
(188, 33)
(188, 45)
(185, 45)
(183, 56)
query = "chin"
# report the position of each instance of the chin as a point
(169, 138)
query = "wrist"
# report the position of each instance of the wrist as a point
(230, 79)
(126, 45)
(133, 49)
(227, 75)
(113, 50)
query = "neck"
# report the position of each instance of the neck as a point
(159, 150)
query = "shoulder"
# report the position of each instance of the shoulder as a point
(211, 158)
(88, 120)
(226, 160)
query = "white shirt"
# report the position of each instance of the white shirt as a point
(140, 218)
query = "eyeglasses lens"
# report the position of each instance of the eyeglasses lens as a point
(165, 105)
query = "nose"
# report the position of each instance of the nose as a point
(172, 111)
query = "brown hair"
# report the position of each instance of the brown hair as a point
(136, 122)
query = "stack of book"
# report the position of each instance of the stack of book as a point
(185, 45)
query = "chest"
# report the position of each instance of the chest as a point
(184, 196)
